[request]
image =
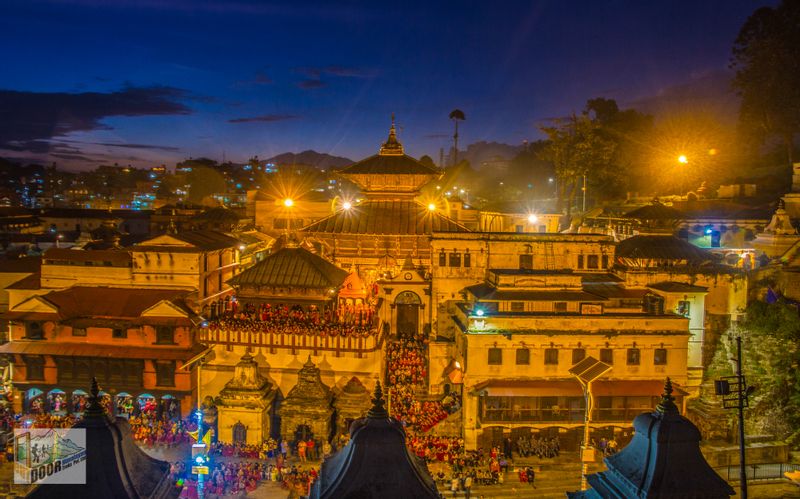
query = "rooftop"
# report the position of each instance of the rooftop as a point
(404, 217)
(292, 267)
(661, 247)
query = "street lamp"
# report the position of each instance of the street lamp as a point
(431, 207)
(682, 159)
(532, 218)
(347, 205)
(587, 371)
(288, 202)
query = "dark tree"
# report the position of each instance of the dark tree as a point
(427, 161)
(766, 58)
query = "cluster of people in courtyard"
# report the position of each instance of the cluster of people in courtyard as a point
(544, 447)
(406, 377)
(151, 431)
(346, 321)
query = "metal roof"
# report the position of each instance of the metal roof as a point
(658, 247)
(655, 211)
(400, 217)
(677, 287)
(292, 267)
(389, 165)
(589, 369)
(485, 291)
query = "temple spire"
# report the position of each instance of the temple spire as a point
(94, 407)
(667, 404)
(377, 411)
(392, 147)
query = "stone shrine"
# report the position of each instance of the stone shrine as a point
(306, 411)
(245, 405)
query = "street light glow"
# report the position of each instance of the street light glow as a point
(682, 159)
(431, 207)
(533, 218)
(347, 205)
(288, 202)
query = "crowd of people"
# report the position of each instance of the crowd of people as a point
(347, 321)
(151, 431)
(406, 376)
(540, 447)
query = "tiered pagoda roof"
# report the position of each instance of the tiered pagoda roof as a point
(292, 267)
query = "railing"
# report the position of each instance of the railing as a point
(562, 415)
(294, 342)
(758, 472)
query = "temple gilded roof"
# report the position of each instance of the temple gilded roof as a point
(389, 217)
(292, 267)
(389, 165)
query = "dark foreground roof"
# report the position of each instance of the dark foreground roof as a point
(386, 217)
(662, 461)
(375, 463)
(655, 211)
(115, 466)
(661, 248)
(292, 267)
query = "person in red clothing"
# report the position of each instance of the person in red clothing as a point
(310, 449)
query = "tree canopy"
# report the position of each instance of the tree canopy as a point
(767, 64)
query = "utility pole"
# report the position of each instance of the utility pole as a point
(735, 392)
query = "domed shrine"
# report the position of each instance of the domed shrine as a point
(306, 411)
(246, 405)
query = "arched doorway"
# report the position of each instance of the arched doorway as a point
(239, 433)
(407, 304)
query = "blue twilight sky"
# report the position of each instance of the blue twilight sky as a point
(151, 81)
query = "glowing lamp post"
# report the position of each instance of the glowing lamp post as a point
(587, 371)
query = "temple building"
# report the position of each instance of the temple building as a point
(245, 412)
(134, 341)
(391, 222)
(306, 412)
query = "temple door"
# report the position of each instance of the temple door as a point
(408, 305)
(239, 433)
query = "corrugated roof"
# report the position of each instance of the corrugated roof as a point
(386, 217)
(655, 211)
(613, 290)
(292, 267)
(84, 301)
(661, 248)
(677, 287)
(391, 165)
(207, 239)
(21, 265)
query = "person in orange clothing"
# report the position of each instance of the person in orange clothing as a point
(301, 451)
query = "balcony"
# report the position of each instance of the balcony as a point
(275, 340)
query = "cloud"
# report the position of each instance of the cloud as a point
(264, 118)
(29, 119)
(261, 78)
(152, 147)
(311, 84)
(316, 73)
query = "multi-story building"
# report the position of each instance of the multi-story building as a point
(134, 341)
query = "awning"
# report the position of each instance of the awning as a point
(101, 351)
(571, 388)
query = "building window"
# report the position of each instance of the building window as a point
(551, 356)
(467, 259)
(660, 357)
(593, 262)
(78, 331)
(442, 259)
(580, 261)
(607, 356)
(34, 368)
(560, 306)
(634, 356)
(165, 334)
(119, 333)
(165, 373)
(455, 259)
(517, 306)
(578, 354)
(684, 308)
(523, 356)
(495, 356)
(605, 261)
(34, 331)
(526, 261)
